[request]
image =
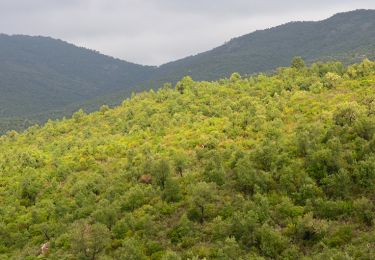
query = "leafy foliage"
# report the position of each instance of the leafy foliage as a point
(260, 167)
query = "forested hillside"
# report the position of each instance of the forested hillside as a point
(260, 167)
(348, 37)
(43, 78)
(39, 74)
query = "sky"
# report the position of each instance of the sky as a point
(153, 32)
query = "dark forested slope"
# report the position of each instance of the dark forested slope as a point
(346, 36)
(278, 167)
(39, 74)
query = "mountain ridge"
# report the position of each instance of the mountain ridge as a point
(42, 78)
(60, 70)
(292, 28)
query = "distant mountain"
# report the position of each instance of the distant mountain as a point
(346, 36)
(39, 74)
(41, 77)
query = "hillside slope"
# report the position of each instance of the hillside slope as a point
(348, 37)
(277, 167)
(39, 74)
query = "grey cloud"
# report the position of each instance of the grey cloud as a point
(157, 31)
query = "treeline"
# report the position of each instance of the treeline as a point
(261, 167)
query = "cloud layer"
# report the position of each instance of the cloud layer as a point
(157, 31)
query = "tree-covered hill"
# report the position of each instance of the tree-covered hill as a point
(43, 78)
(348, 37)
(39, 74)
(260, 167)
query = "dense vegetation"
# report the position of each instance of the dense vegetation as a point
(44, 78)
(39, 74)
(260, 167)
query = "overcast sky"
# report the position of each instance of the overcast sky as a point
(156, 31)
